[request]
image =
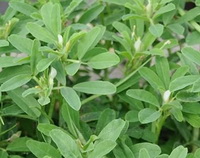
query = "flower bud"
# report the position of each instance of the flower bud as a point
(166, 96)
(60, 40)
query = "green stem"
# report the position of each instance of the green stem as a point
(159, 124)
(90, 99)
(118, 84)
(73, 61)
(195, 138)
(57, 88)
(37, 81)
(51, 108)
(131, 74)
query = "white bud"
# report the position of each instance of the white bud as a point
(133, 32)
(53, 73)
(137, 44)
(166, 96)
(60, 39)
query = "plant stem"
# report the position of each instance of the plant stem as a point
(195, 138)
(90, 98)
(118, 84)
(51, 108)
(157, 125)
(131, 74)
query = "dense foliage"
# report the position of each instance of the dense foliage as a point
(100, 79)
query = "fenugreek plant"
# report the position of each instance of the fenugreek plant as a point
(100, 79)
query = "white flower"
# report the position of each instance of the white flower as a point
(166, 95)
(52, 75)
(60, 39)
(137, 44)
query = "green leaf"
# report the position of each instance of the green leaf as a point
(191, 108)
(61, 75)
(197, 2)
(191, 54)
(8, 61)
(29, 104)
(121, 27)
(24, 47)
(44, 64)
(56, 20)
(46, 128)
(105, 117)
(182, 82)
(153, 149)
(3, 153)
(71, 98)
(143, 95)
(102, 148)
(152, 78)
(73, 40)
(23, 7)
(31, 91)
(163, 71)
(197, 152)
(167, 8)
(103, 60)
(176, 28)
(179, 152)
(185, 96)
(177, 113)
(90, 40)
(148, 115)
(189, 15)
(112, 130)
(44, 100)
(41, 33)
(144, 153)
(95, 87)
(72, 68)
(195, 87)
(193, 120)
(41, 149)
(11, 72)
(193, 38)
(71, 7)
(51, 16)
(181, 71)
(91, 14)
(132, 116)
(35, 54)
(130, 82)
(163, 156)
(118, 2)
(156, 30)
(66, 145)
(192, 66)
(4, 43)
(18, 145)
(15, 82)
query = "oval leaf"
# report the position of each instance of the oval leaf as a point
(182, 82)
(15, 82)
(41, 149)
(96, 87)
(71, 98)
(103, 60)
(44, 64)
(66, 145)
(179, 152)
(148, 115)
(143, 95)
(192, 54)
